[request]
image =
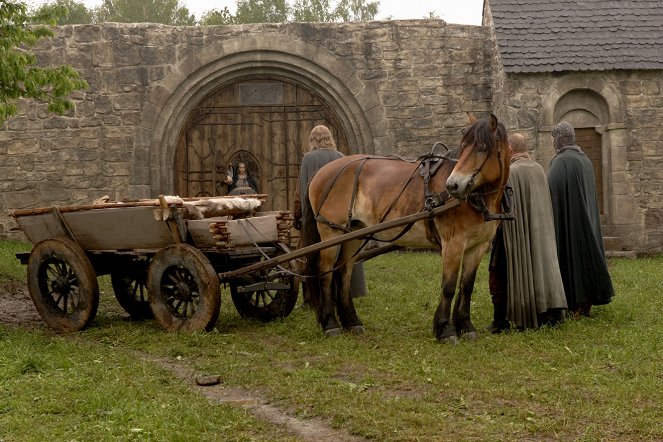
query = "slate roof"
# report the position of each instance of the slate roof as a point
(578, 35)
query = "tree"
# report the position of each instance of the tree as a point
(217, 17)
(280, 11)
(20, 78)
(68, 12)
(312, 11)
(356, 10)
(168, 12)
(261, 11)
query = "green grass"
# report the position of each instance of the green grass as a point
(593, 379)
(10, 267)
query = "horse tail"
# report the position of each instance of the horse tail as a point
(310, 236)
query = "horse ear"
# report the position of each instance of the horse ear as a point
(471, 118)
(493, 122)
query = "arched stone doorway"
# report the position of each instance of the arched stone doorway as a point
(264, 122)
(358, 114)
(588, 113)
(596, 110)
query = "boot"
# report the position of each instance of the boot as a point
(500, 323)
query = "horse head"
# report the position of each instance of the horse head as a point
(484, 159)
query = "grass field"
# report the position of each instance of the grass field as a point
(594, 379)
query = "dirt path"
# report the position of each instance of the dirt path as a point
(16, 307)
(18, 311)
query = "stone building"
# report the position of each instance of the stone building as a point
(599, 66)
(169, 108)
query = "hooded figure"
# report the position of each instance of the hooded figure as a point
(577, 225)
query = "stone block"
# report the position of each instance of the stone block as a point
(21, 147)
(623, 209)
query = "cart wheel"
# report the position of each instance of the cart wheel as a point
(129, 286)
(183, 289)
(62, 284)
(265, 304)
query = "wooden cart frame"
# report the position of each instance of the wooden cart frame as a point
(161, 263)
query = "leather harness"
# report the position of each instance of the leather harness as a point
(429, 165)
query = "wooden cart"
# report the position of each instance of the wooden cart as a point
(164, 256)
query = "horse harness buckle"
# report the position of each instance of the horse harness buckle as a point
(427, 168)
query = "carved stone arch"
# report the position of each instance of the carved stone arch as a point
(167, 107)
(588, 101)
(562, 86)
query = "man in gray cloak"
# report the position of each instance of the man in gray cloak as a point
(322, 150)
(525, 281)
(577, 224)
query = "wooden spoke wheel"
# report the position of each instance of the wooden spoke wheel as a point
(267, 295)
(183, 289)
(63, 284)
(130, 288)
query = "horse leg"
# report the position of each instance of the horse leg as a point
(327, 299)
(451, 261)
(461, 316)
(344, 304)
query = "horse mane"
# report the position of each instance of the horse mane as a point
(481, 134)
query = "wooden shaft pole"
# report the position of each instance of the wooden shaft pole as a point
(366, 231)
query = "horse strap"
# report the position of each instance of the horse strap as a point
(321, 219)
(354, 189)
(430, 165)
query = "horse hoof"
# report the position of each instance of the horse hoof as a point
(357, 329)
(470, 336)
(333, 332)
(451, 340)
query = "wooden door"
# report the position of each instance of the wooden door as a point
(590, 142)
(265, 123)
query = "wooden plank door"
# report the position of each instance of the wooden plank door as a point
(590, 142)
(263, 122)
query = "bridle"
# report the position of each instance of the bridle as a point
(477, 201)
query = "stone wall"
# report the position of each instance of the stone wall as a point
(412, 82)
(398, 86)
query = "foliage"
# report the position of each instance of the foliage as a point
(168, 12)
(261, 11)
(597, 378)
(68, 12)
(356, 10)
(280, 11)
(19, 76)
(217, 17)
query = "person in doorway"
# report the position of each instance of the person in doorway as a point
(241, 183)
(580, 246)
(322, 150)
(524, 278)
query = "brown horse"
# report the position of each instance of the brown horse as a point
(359, 191)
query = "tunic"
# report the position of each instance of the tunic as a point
(578, 229)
